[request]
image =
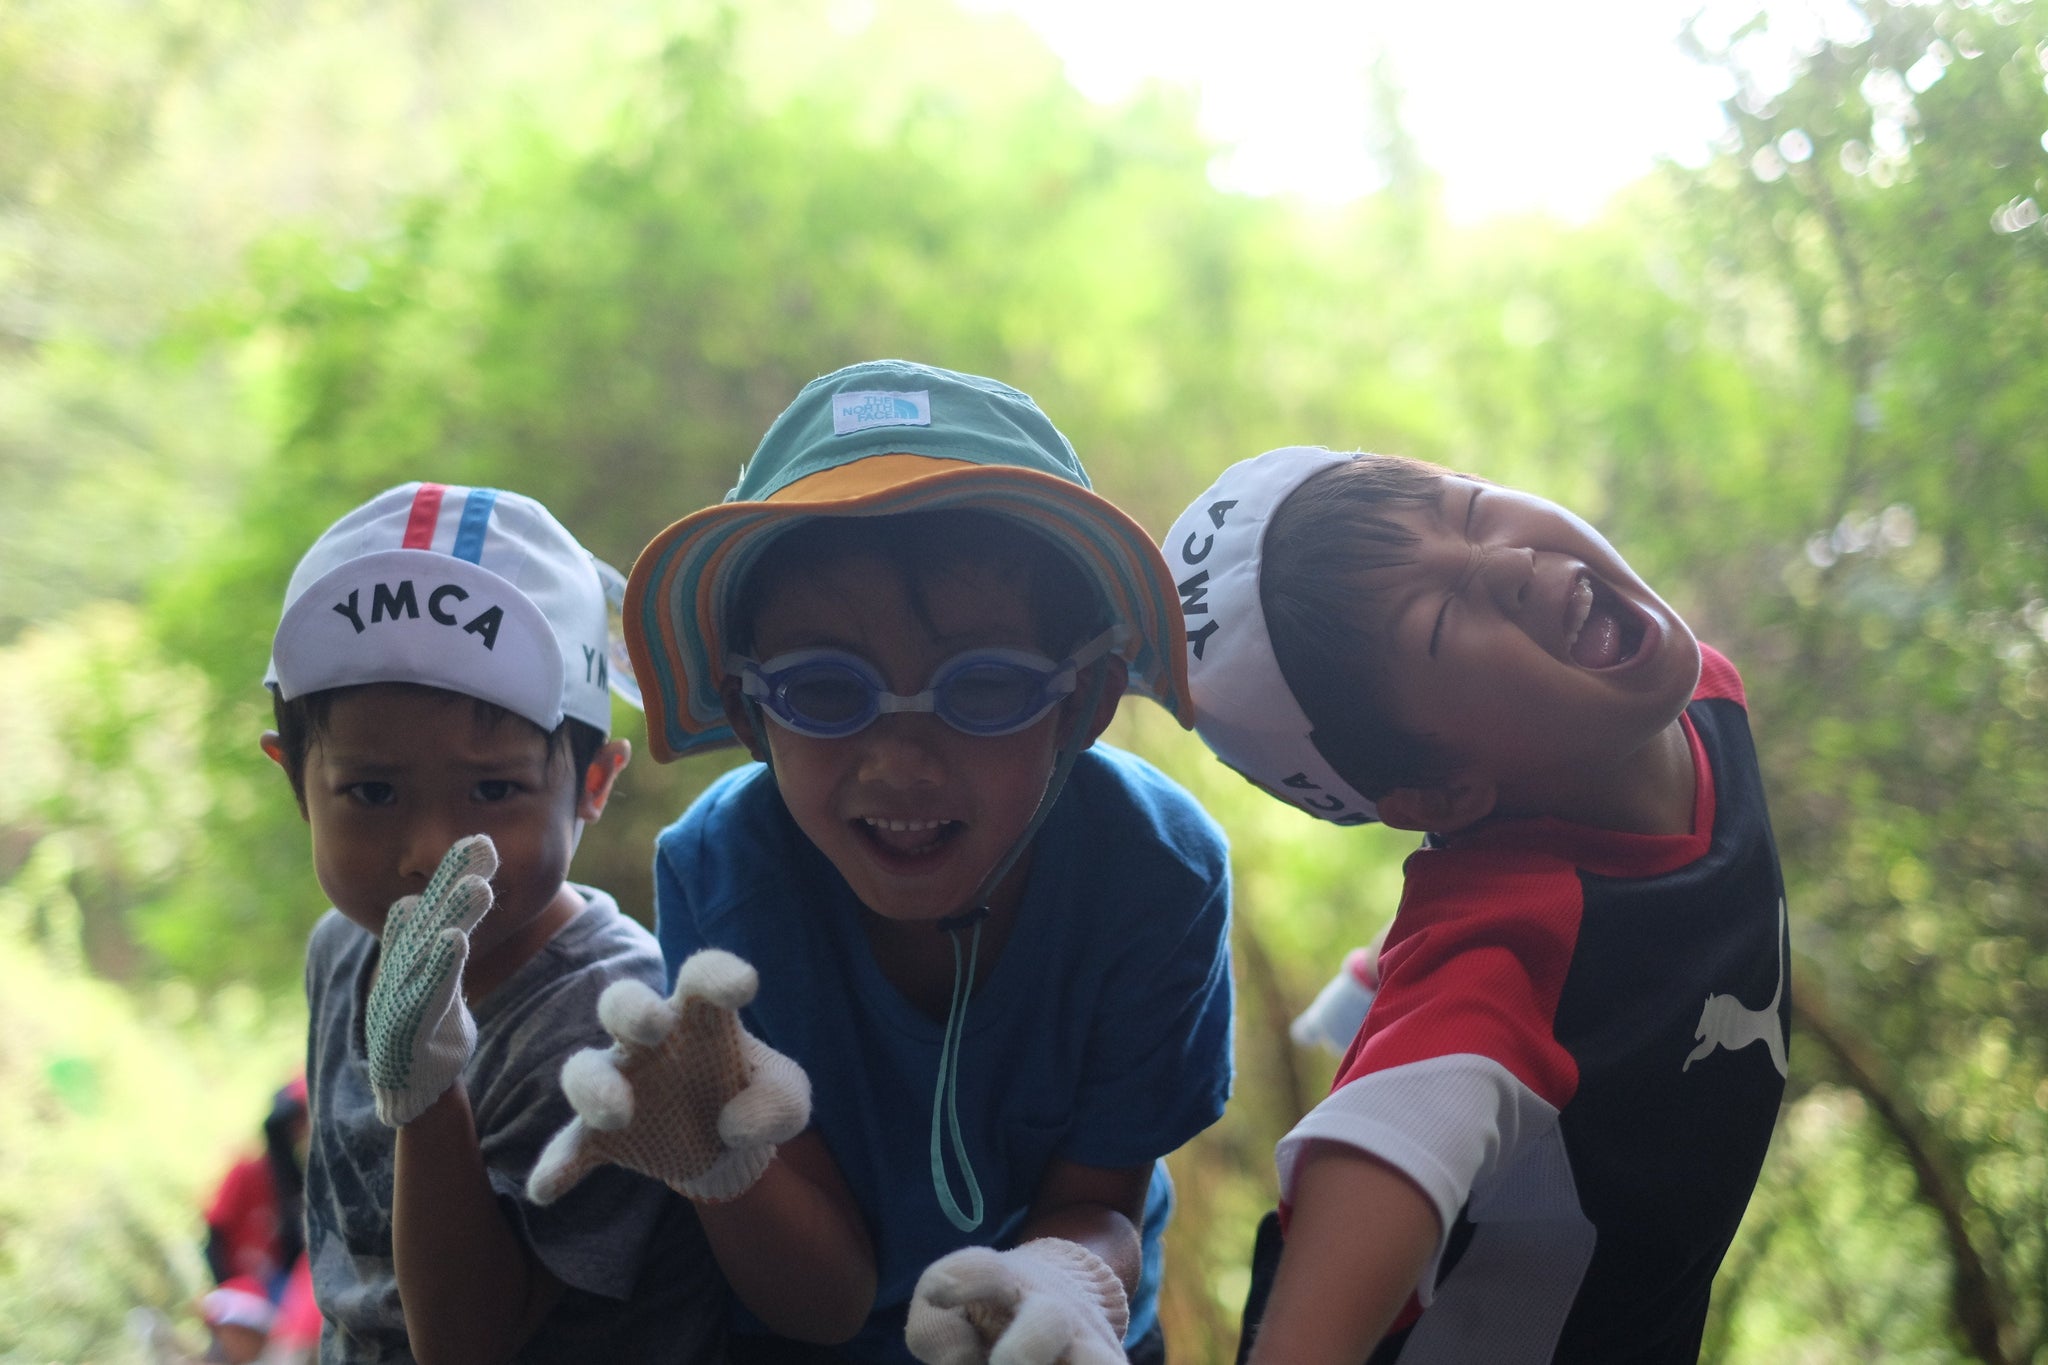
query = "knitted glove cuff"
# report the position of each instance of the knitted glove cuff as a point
(400, 1107)
(731, 1176)
(437, 1064)
(1088, 1271)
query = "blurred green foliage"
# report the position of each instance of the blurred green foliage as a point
(123, 1105)
(259, 261)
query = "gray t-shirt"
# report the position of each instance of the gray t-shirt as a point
(640, 1280)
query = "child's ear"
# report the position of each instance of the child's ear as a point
(742, 723)
(1116, 677)
(606, 764)
(1444, 808)
(273, 749)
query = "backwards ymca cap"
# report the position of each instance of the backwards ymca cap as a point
(473, 590)
(239, 1301)
(875, 439)
(1244, 710)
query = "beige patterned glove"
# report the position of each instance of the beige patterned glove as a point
(685, 1094)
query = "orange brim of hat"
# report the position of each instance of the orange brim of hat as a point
(676, 594)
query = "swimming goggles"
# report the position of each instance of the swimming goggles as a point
(830, 693)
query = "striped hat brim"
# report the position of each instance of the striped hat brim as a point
(680, 584)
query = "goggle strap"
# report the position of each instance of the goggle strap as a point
(1102, 644)
(757, 716)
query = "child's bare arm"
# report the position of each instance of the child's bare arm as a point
(472, 1290)
(1358, 1238)
(1100, 1209)
(794, 1247)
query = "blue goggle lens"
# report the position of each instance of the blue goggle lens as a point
(828, 694)
(823, 694)
(987, 694)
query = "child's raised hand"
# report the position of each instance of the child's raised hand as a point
(685, 1094)
(1047, 1302)
(416, 1027)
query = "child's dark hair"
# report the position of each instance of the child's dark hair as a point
(1320, 551)
(303, 720)
(923, 546)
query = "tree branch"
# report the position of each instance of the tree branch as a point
(1978, 1303)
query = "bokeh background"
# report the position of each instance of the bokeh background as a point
(261, 259)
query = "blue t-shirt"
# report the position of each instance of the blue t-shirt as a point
(1102, 1036)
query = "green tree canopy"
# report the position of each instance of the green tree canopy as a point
(256, 265)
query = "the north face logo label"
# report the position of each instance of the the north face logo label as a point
(400, 601)
(881, 407)
(874, 408)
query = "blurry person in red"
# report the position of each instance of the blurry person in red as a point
(255, 1223)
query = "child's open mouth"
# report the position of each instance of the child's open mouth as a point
(1601, 629)
(907, 838)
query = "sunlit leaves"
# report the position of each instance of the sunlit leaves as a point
(1800, 387)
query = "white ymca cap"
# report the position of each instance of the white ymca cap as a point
(1244, 710)
(473, 590)
(238, 1302)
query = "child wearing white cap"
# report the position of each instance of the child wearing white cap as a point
(441, 679)
(1539, 1144)
(991, 952)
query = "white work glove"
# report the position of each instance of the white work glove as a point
(685, 1094)
(1048, 1301)
(417, 1029)
(1334, 1017)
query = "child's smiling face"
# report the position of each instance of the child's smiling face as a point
(1520, 641)
(913, 813)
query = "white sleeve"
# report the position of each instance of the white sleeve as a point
(1455, 1125)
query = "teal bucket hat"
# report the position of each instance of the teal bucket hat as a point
(875, 439)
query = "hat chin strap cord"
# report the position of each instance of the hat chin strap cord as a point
(945, 1096)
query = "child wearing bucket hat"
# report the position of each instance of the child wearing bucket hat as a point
(997, 950)
(1538, 1145)
(441, 680)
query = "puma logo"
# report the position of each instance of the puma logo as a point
(1725, 1022)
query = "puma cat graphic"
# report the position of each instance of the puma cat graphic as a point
(1725, 1022)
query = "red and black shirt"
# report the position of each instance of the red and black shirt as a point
(1578, 1052)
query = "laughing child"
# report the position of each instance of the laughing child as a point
(1540, 1143)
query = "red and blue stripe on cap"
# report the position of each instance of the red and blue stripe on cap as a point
(470, 530)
